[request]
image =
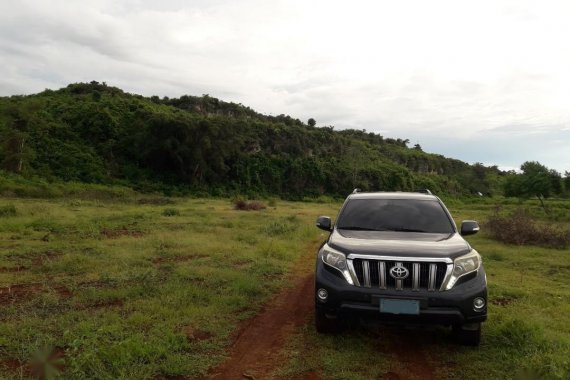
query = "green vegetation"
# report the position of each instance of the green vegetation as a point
(146, 286)
(537, 181)
(134, 289)
(518, 227)
(94, 133)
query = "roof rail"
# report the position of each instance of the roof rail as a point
(424, 191)
(357, 190)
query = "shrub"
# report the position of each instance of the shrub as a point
(8, 210)
(242, 204)
(170, 212)
(521, 229)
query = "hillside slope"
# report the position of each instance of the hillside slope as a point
(95, 133)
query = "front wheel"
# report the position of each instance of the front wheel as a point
(468, 334)
(324, 324)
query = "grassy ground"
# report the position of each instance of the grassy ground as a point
(92, 289)
(151, 287)
(527, 335)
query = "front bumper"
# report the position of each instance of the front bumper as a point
(448, 307)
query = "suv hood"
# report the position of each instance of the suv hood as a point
(386, 243)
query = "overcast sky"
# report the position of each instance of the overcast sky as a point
(482, 81)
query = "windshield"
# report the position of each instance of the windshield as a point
(407, 215)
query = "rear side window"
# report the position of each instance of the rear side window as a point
(408, 215)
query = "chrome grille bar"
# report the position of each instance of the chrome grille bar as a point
(432, 275)
(366, 272)
(416, 277)
(352, 272)
(382, 274)
(399, 283)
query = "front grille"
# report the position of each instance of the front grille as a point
(421, 275)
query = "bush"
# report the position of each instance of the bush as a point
(242, 204)
(521, 229)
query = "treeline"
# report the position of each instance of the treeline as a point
(95, 133)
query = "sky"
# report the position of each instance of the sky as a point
(481, 81)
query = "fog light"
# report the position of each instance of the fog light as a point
(322, 294)
(478, 304)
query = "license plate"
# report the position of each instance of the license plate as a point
(399, 306)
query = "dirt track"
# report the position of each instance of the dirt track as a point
(255, 353)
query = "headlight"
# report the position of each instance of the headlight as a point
(463, 265)
(336, 260)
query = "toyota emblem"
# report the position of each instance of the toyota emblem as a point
(399, 273)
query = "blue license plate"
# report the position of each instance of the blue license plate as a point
(392, 306)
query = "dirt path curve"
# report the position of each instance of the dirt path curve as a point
(254, 354)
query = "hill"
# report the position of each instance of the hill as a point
(94, 133)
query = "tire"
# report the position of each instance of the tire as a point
(468, 334)
(326, 325)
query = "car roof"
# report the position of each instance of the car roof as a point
(393, 195)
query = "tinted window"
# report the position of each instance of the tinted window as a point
(395, 215)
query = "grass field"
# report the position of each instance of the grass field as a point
(151, 287)
(527, 335)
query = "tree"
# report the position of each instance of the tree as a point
(536, 180)
(540, 181)
(311, 122)
(15, 136)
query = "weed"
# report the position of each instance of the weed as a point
(517, 334)
(281, 227)
(250, 239)
(170, 212)
(8, 210)
(46, 226)
(292, 219)
(494, 256)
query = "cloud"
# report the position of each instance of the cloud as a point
(446, 74)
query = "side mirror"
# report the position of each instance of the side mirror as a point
(469, 227)
(324, 223)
